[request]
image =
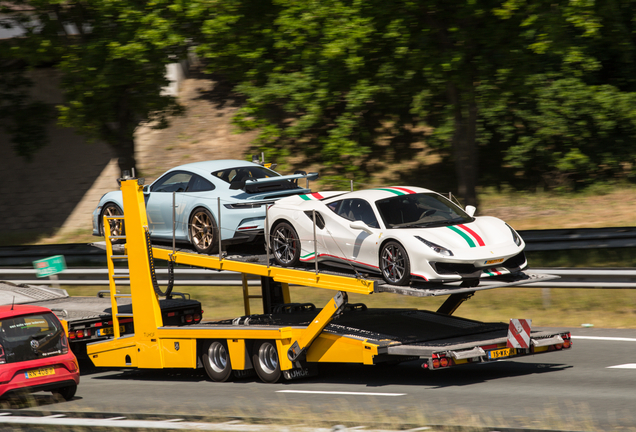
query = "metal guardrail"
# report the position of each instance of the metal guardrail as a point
(579, 238)
(81, 254)
(569, 277)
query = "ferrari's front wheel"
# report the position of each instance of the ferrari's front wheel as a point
(285, 245)
(394, 264)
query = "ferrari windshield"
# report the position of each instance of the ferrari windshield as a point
(31, 337)
(421, 210)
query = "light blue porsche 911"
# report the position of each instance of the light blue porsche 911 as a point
(241, 189)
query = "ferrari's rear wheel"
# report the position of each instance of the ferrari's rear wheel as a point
(116, 225)
(203, 231)
(394, 264)
(285, 245)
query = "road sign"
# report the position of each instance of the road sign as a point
(49, 266)
(519, 333)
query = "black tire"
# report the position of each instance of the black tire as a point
(203, 231)
(285, 245)
(216, 361)
(67, 392)
(265, 361)
(117, 227)
(394, 264)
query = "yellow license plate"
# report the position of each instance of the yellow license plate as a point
(40, 372)
(497, 261)
(500, 353)
(109, 331)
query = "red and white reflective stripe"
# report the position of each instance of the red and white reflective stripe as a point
(519, 333)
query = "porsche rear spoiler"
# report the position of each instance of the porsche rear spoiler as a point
(262, 185)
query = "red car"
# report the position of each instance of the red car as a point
(34, 353)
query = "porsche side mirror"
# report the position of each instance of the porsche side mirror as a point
(359, 225)
(470, 210)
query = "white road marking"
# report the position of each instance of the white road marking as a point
(623, 366)
(616, 339)
(340, 393)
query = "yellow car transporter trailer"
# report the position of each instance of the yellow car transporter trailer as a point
(289, 338)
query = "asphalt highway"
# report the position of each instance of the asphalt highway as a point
(592, 384)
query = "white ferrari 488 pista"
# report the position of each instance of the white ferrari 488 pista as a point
(407, 234)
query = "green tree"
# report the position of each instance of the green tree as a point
(112, 56)
(570, 122)
(329, 77)
(24, 119)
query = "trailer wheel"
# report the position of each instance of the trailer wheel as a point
(66, 392)
(265, 361)
(216, 361)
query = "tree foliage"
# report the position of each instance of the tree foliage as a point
(517, 91)
(516, 83)
(112, 56)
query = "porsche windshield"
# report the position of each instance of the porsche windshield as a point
(421, 210)
(243, 173)
(31, 337)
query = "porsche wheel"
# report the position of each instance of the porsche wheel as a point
(203, 231)
(117, 228)
(265, 361)
(285, 245)
(216, 360)
(394, 264)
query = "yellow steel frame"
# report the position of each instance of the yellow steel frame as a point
(279, 274)
(155, 346)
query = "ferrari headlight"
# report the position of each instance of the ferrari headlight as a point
(437, 248)
(515, 236)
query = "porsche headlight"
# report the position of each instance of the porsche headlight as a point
(437, 248)
(515, 236)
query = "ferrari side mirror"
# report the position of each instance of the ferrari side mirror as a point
(359, 225)
(470, 210)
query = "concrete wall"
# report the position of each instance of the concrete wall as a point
(37, 197)
(62, 185)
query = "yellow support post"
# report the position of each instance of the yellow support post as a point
(318, 324)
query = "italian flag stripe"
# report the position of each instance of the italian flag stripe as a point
(307, 257)
(309, 197)
(397, 192)
(409, 191)
(480, 241)
(493, 272)
(465, 236)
